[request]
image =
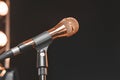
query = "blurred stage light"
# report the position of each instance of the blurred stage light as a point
(3, 39)
(2, 71)
(3, 8)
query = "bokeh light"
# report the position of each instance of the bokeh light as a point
(3, 39)
(3, 8)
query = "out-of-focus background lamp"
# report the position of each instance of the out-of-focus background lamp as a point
(3, 8)
(3, 39)
(4, 33)
(3, 15)
(6, 72)
(3, 24)
(3, 42)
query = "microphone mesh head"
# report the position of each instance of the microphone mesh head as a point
(71, 25)
(65, 28)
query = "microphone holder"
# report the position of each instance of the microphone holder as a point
(42, 63)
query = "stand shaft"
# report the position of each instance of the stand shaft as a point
(42, 63)
(42, 77)
(42, 72)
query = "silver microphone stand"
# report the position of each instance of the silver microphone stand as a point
(42, 63)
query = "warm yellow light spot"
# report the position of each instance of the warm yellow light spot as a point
(2, 71)
(3, 39)
(3, 8)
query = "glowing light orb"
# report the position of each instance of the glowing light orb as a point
(3, 39)
(3, 8)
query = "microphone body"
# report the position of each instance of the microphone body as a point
(65, 28)
(39, 41)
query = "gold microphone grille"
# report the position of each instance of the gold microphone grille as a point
(65, 28)
(71, 25)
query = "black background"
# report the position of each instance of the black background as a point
(92, 53)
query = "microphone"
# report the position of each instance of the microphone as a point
(65, 28)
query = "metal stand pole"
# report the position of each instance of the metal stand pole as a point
(42, 63)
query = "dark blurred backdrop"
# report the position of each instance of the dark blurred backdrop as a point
(92, 53)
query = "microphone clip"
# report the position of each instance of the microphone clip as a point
(42, 42)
